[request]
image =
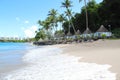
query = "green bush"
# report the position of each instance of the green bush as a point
(116, 32)
(103, 36)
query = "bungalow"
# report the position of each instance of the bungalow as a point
(87, 33)
(102, 31)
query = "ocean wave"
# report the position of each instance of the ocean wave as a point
(48, 63)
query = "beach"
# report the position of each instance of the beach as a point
(97, 60)
(100, 52)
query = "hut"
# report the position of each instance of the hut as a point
(68, 35)
(78, 32)
(102, 31)
(87, 33)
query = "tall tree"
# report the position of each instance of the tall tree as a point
(61, 19)
(86, 13)
(53, 18)
(67, 4)
(40, 35)
(109, 11)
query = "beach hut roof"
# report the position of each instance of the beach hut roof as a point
(102, 29)
(87, 31)
(69, 34)
(78, 32)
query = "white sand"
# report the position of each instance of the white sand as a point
(49, 64)
(100, 52)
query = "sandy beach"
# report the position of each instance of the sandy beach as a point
(97, 60)
(100, 52)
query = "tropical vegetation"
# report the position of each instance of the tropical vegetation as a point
(92, 15)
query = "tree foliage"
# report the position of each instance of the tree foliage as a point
(40, 35)
(106, 13)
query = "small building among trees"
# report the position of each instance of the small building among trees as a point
(102, 31)
(87, 33)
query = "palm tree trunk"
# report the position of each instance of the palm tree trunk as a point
(73, 27)
(61, 26)
(86, 14)
(69, 27)
(70, 18)
(56, 27)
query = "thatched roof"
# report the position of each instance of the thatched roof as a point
(102, 29)
(69, 34)
(87, 31)
(78, 32)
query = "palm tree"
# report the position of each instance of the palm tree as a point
(40, 22)
(69, 13)
(46, 26)
(53, 12)
(67, 5)
(86, 13)
(87, 31)
(61, 18)
(53, 18)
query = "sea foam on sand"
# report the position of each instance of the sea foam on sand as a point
(48, 63)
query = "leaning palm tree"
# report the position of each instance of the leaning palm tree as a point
(69, 24)
(67, 5)
(69, 13)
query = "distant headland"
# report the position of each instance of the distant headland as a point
(14, 39)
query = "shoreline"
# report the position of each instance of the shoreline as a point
(9, 68)
(59, 62)
(14, 59)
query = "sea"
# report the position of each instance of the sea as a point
(11, 55)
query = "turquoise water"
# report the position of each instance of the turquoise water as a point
(11, 55)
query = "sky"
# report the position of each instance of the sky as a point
(18, 18)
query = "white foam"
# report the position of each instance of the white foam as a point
(48, 64)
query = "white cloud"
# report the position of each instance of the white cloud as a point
(30, 32)
(17, 18)
(26, 21)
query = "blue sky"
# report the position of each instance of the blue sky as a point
(18, 18)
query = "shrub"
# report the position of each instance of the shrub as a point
(116, 32)
(103, 36)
